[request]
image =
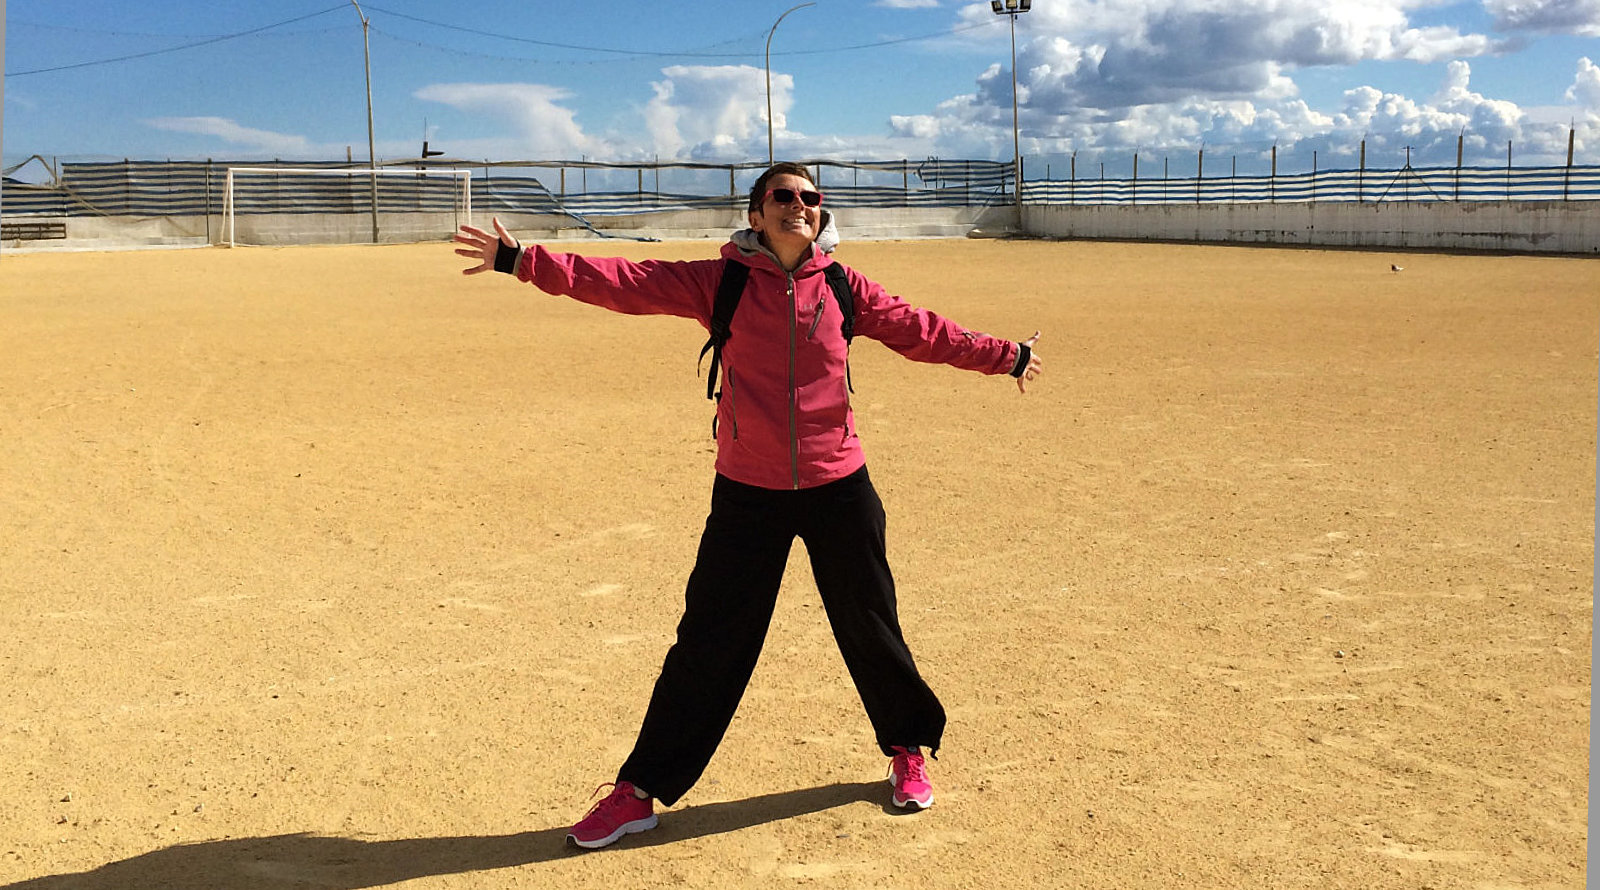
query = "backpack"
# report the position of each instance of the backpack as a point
(734, 277)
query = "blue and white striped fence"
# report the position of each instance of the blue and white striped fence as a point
(181, 188)
(1408, 184)
(187, 188)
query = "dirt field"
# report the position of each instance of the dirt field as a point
(331, 568)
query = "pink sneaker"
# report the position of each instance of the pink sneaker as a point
(618, 813)
(908, 774)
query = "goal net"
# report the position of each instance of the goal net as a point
(322, 205)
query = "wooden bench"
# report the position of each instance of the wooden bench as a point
(32, 231)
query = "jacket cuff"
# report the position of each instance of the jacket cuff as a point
(505, 259)
(1024, 353)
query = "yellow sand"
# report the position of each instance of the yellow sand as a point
(329, 567)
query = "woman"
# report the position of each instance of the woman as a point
(788, 465)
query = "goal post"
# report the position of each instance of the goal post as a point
(287, 193)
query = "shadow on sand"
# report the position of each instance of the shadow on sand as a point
(301, 860)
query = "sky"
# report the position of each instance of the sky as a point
(1098, 81)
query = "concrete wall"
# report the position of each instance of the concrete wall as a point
(1517, 226)
(117, 233)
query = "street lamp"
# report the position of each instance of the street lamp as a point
(1012, 8)
(372, 154)
(769, 73)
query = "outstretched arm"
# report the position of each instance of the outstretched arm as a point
(925, 336)
(647, 287)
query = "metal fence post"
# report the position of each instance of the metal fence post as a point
(1566, 176)
(1461, 139)
(208, 200)
(1361, 172)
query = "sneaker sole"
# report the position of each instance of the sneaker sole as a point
(912, 803)
(633, 827)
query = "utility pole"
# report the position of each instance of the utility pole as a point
(769, 74)
(1012, 9)
(372, 153)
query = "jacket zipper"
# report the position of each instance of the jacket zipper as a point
(794, 422)
(816, 318)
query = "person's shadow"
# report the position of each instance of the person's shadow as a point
(301, 860)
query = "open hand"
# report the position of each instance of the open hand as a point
(482, 246)
(1035, 364)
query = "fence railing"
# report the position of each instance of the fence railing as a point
(1408, 184)
(581, 188)
(586, 188)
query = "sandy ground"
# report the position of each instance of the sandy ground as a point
(331, 568)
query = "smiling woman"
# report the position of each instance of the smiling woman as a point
(789, 464)
(787, 216)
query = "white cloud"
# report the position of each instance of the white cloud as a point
(1084, 53)
(717, 112)
(1580, 17)
(960, 127)
(1493, 120)
(978, 125)
(1585, 89)
(1171, 75)
(1150, 75)
(241, 138)
(543, 128)
(917, 126)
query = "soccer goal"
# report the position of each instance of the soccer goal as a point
(297, 205)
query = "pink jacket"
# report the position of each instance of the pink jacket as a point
(784, 419)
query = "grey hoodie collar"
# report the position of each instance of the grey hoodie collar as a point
(749, 242)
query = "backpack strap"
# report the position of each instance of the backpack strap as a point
(734, 277)
(847, 300)
(847, 312)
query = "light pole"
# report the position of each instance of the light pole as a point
(769, 73)
(1012, 9)
(372, 154)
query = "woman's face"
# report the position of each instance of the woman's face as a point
(792, 225)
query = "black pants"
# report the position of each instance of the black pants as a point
(728, 607)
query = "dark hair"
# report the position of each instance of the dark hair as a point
(758, 192)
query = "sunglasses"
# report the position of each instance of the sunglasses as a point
(787, 196)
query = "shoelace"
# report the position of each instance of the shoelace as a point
(607, 802)
(909, 767)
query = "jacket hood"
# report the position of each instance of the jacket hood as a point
(749, 241)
